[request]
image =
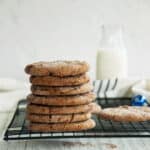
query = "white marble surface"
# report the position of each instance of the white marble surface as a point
(33, 30)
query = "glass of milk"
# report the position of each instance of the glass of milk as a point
(111, 55)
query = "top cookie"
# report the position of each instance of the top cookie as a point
(57, 68)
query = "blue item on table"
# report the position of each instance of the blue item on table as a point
(139, 100)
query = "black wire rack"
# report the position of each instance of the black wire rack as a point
(17, 129)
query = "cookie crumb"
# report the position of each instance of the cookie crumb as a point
(111, 146)
(69, 144)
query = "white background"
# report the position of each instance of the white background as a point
(32, 30)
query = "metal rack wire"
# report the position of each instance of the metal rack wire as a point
(17, 129)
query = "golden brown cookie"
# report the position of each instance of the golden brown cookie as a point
(62, 100)
(62, 127)
(68, 90)
(37, 109)
(59, 81)
(95, 108)
(126, 113)
(57, 68)
(59, 118)
(143, 108)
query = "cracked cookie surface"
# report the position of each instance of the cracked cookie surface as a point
(59, 81)
(38, 109)
(59, 118)
(67, 90)
(62, 127)
(126, 113)
(62, 100)
(57, 68)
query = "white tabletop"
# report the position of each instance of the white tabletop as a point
(69, 144)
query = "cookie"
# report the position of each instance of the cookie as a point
(62, 127)
(57, 68)
(59, 81)
(143, 108)
(59, 118)
(95, 108)
(68, 90)
(126, 114)
(37, 109)
(62, 100)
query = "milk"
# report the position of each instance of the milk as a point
(111, 54)
(111, 63)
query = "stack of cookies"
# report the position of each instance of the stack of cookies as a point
(61, 98)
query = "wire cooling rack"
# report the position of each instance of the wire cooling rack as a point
(17, 129)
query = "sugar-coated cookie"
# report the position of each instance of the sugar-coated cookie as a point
(67, 90)
(38, 109)
(62, 100)
(126, 113)
(59, 81)
(62, 127)
(59, 118)
(57, 68)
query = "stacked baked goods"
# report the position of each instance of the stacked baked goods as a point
(61, 98)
